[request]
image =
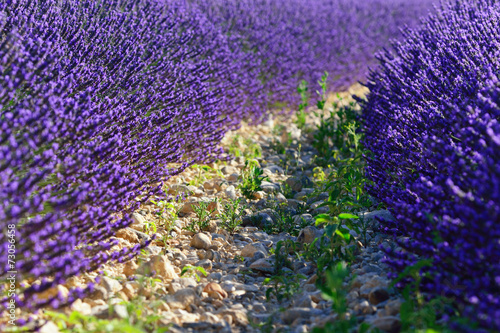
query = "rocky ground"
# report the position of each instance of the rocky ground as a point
(231, 297)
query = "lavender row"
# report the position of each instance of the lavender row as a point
(432, 119)
(102, 100)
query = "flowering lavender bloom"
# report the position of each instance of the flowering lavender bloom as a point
(294, 40)
(432, 119)
(102, 100)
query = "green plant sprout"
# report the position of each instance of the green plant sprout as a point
(252, 178)
(193, 271)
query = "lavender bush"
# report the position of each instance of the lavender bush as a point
(432, 125)
(103, 100)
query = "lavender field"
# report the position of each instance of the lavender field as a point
(250, 166)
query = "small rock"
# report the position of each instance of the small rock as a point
(130, 267)
(111, 285)
(294, 183)
(303, 218)
(303, 302)
(216, 276)
(275, 159)
(290, 315)
(177, 189)
(309, 234)
(215, 291)
(239, 317)
(378, 295)
(250, 249)
(259, 307)
(227, 170)
(259, 195)
(99, 292)
(388, 324)
(201, 241)
(269, 187)
(393, 307)
(273, 169)
(258, 220)
(259, 255)
(263, 265)
(230, 192)
(82, 307)
(182, 299)
(128, 235)
(161, 265)
(364, 308)
(281, 198)
(206, 264)
(49, 327)
(233, 177)
(138, 222)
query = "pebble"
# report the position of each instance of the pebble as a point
(292, 314)
(201, 241)
(250, 249)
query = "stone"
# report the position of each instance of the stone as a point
(215, 276)
(259, 255)
(138, 221)
(258, 220)
(393, 307)
(309, 234)
(273, 170)
(201, 241)
(215, 291)
(233, 177)
(389, 324)
(303, 194)
(364, 308)
(181, 283)
(378, 295)
(259, 195)
(128, 235)
(100, 311)
(82, 307)
(228, 170)
(230, 192)
(130, 289)
(263, 265)
(49, 327)
(182, 299)
(141, 235)
(290, 315)
(373, 282)
(259, 308)
(269, 187)
(281, 198)
(274, 159)
(60, 290)
(294, 183)
(304, 301)
(130, 267)
(161, 265)
(99, 292)
(250, 249)
(239, 317)
(177, 189)
(206, 264)
(111, 285)
(303, 218)
(381, 213)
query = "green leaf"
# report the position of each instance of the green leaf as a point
(347, 216)
(323, 218)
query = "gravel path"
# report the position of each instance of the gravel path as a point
(232, 295)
